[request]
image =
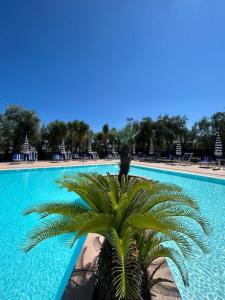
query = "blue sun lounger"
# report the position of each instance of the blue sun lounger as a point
(57, 157)
(206, 162)
(33, 156)
(68, 156)
(18, 157)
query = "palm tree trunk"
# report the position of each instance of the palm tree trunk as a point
(104, 289)
(124, 161)
(145, 289)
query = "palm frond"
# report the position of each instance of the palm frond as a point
(173, 255)
(96, 197)
(47, 229)
(188, 233)
(178, 239)
(175, 197)
(145, 221)
(167, 227)
(95, 223)
(187, 212)
(126, 277)
(66, 209)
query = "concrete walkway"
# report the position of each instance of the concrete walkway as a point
(194, 168)
(52, 164)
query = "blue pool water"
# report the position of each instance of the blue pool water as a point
(206, 271)
(38, 275)
(43, 273)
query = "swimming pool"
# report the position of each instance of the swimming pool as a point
(43, 273)
(206, 271)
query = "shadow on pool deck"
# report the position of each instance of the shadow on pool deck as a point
(81, 283)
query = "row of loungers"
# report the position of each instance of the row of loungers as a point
(68, 156)
(20, 157)
(207, 162)
(171, 159)
(185, 160)
(113, 155)
(85, 156)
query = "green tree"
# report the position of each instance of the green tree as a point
(205, 137)
(119, 212)
(98, 138)
(218, 125)
(57, 132)
(145, 133)
(168, 129)
(126, 136)
(17, 122)
(105, 138)
(78, 132)
(83, 134)
(73, 135)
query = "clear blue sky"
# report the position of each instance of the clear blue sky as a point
(106, 60)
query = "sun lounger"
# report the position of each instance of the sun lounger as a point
(18, 157)
(206, 162)
(68, 156)
(134, 157)
(156, 157)
(170, 159)
(109, 156)
(145, 158)
(76, 156)
(93, 155)
(85, 156)
(32, 156)
(186, 159)
(116, 155)
(57, 157)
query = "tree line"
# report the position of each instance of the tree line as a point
(16, 122)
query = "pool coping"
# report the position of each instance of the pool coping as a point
(57, 167)
(111, 162)
(191, 174)
(167, 170)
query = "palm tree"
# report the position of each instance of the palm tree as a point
(121, 212)
(126, 137)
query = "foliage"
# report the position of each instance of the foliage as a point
(125, 159)
(169, 129)
(105, 139)
(128, 133)
(136, 217)
(126, 136)
(15, 123)
(145, 133)
(57, 132)
(77, 134)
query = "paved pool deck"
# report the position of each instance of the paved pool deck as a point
(211, 171)
(52, 164)
(194, 168)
